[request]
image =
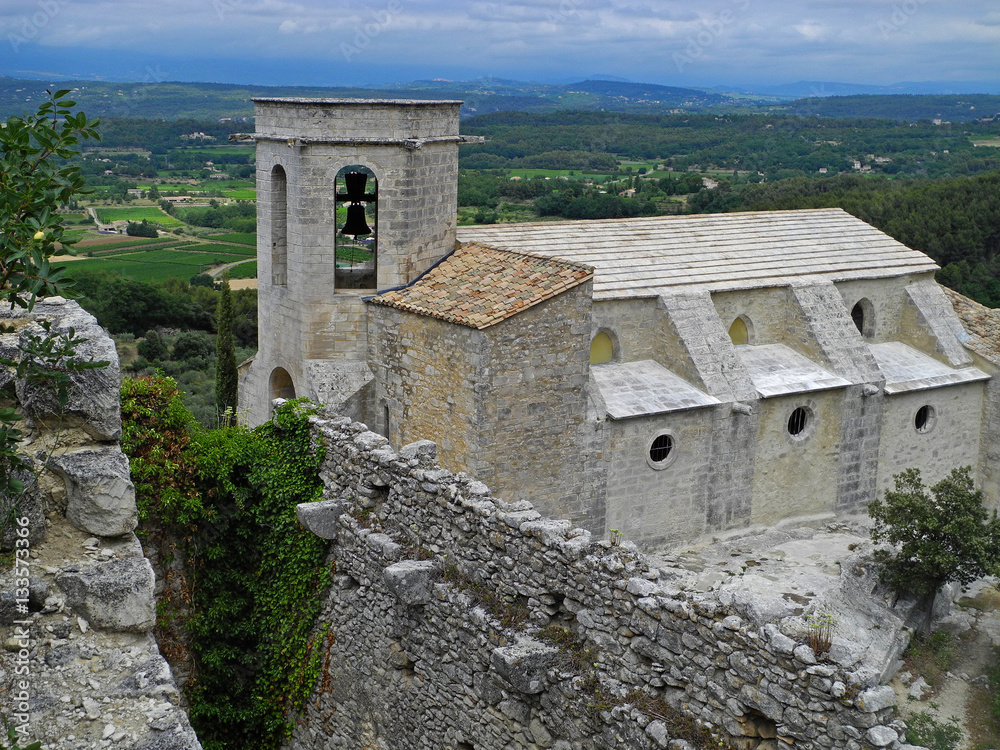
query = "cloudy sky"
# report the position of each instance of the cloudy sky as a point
(336, 42)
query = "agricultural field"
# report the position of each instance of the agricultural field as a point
(92, 242)
(240, 238)
(140, 264)
(246, 270)
(209, 247)
(137, 213)
(240, 194)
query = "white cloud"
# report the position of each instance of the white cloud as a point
(857, 40)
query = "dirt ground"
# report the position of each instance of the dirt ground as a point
(956, 683)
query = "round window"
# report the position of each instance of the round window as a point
(662, 451)
(797, 421)
(924, 419)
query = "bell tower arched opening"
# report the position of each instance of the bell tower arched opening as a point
(357, 228)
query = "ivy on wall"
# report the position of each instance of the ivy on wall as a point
(224, 500)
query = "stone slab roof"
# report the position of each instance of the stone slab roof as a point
(777, 370)
(981, 323)
(905, 369)
(644, 257)
(478, 286)
(638, 389)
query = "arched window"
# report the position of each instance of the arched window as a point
(357, 228)
(863, 315)
(281, 384)
(279, 227)
(602, 349)
(739, 333)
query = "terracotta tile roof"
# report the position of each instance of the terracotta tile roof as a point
(981, 322)
(478, 285)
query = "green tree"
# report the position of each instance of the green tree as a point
(941, 537)
(141, 229)
(35, 179)
(225, 359)
(152, 346)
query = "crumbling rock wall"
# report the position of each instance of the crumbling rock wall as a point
(79, 667)
(417, 655)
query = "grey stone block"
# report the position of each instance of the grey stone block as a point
(100, 496)
(320, 518)
(116, 595)
(523, 665)
(410, 581)
(93, 401)
(881, 736)
(876, 698)
(422, 450)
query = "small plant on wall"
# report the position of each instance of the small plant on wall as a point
(821, 632)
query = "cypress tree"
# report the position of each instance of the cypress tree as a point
(225, 362)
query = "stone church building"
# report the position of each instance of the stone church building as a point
(666, 376)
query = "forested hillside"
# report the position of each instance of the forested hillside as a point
(955, 221)
(777, 146)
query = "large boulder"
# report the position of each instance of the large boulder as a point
(93, 396)
(100, 496)
(115, 595)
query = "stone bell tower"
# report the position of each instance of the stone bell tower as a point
(312, 277)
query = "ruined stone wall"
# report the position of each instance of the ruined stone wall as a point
(79, 667)
(417, 655)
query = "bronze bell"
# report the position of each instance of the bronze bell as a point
(355, 224)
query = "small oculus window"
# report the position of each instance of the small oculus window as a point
(662, 451)
(924, 419)
(797, 421)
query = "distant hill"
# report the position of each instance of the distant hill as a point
(217, 101)
(231, 102)
(808, 89)
(953, 108)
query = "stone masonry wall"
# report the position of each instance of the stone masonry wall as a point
(79, 666)
(416, 659)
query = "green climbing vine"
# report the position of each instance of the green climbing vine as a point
(225, 500)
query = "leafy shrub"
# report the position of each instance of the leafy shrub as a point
(943, 536)
(924, 730)
(226, 499)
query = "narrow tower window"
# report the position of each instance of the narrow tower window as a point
(279, 227)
